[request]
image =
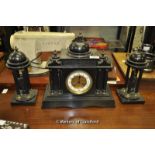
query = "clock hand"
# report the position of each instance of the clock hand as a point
(76, 82)
(83, 84)
(79, 79)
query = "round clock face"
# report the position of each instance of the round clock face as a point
(79, 82)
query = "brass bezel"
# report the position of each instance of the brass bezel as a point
(86, 90)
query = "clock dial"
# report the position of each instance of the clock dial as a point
(79, 82)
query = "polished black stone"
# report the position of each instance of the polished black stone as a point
(17, 60)
(32, 101)
(136, 59)
(73, 101)
(124, 100)
(79, 46)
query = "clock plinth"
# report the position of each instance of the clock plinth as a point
(67, 100)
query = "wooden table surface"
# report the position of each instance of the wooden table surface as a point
(122, 116)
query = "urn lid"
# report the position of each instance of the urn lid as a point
(79, 47)
(17, 60)
(136, 59)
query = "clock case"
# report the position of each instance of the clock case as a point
(78, 57)
(61, 65)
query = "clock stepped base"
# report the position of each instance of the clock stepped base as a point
(73, 101)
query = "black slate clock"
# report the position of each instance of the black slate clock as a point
(78, 78)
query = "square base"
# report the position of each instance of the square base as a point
(123, 100)
(25, 103)
(68, 100)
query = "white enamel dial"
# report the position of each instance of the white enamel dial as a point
(79, 82)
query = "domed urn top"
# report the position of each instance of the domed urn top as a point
(17, 60)
(136, 59)
(79, 47)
